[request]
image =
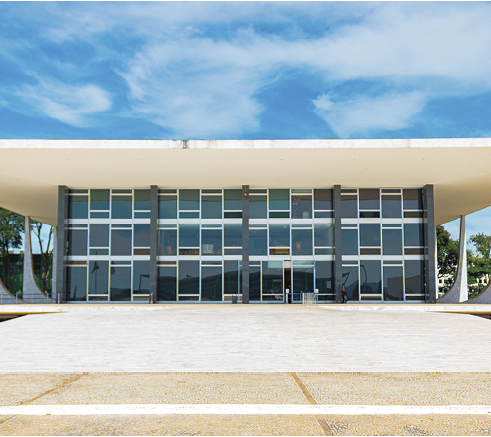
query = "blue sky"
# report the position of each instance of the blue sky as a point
(246, 70)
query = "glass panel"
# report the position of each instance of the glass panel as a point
(211, 207)
(98, 277)
(120, 242)
(142, 200)
(121, 207)
(279, 214)
(301, 207)
(142, 235)
(369, 234)
(120, 283)
(413, 199)
(323, 199)
(258, 242)
(303, 281)
(302, 241)
(168, 207)
(393, 286)
(211, 242)
(349, 241)
(391, 207)
(323, 234)
(99, 199)
(413, 234)
(189, 235)
(188, 200)
(233, 235)
(168, 242)
(189, 215)
(414, 271)
(258, 207)
(77, 283)
(272, 280)
(349, 207)
(254, 283)
(369, 214)
(279, 199)
(323, 277)
(370, 277)
(99, 235)
(392, 241)
(77, 242)
(350, 280)
(188, 277)
(231, 277)
(231, 215)
(211, 283)
(167, 284)
(233, 200)
(78, 207)
(369, 198)
(279, 235)
(141, 277)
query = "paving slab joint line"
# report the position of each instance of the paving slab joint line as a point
(322, 422)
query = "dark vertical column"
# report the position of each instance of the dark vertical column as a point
(245, 243)
(154, 216)
(61, 244)
(338, 264)
(430, 244)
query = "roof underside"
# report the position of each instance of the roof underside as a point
(33, 169)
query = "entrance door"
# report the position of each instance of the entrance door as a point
(288, 284)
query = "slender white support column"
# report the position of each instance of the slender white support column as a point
(459, 293)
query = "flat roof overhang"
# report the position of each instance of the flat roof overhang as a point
(457, 167)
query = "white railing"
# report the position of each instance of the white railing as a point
(309, 299)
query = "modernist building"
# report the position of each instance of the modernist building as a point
(247, 221)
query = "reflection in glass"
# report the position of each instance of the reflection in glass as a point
(77, 283)
(393, 285)
(167, 207)
(211, 207)
(231, 277)
(349, 239)
(254, 283)
(323, 235)
(301, 207)
(211, 242)
(98, 277)
(258, 207)
(303, 281)
(279, 199)
(232, 233)
(99, 200)
(369, 198)
(258, 242)
(414, 271)
(77, 242)
(350, 280)
(121, 207)
(232, 200)
(120, 283)
(120, 242)
(391, 207)
(413, 199)
(322, 199)
(99, 235)
(369, 234)
(142, 235)
(188, 277)
(141, 277)
(279, 235)
(167, 284)
(413, 234)
(168, 242)
(142, 200)
(302, 241)
(324, 280)
(189, 235)
(78, 207)
(392, 241)
(370, 277)
(349, 207)
(188, 200)
(272, 280)
(211, 283)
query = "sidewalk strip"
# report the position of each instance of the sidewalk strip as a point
(241, 409)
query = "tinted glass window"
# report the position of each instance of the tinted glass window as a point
(98, 277)
(142, 235)
(255, 283)
(303, 281)
(120, 242)
(141, 277)
(77, 242)
(233, 235)
(391, 207)
(257, 207)
(350, 279)
(211, 207)
(78, 207)
(393, 285)
(189, 235)
(167, 284)
(369, 198)
(413, 199)
(392, 241)
(413, 234)
(167, 207)
(302, 241)
(370, 235)
(414, 271)
(301, 207)
(142, 200)
(211, 283)
(322, 235)
(349, 207)
(188, 200)
(272, 280)
(121, 207)
(258, 242)
(279, 235)
(231, 277)
(370, 277)
(188, 277)
(77, 283)
(211, 242)
(168, 242)
(323, 277)
(120, 283)
(323, 199)
(99, 200)
(349, 241)
(279, 199)
(99, 235)
(233, 199)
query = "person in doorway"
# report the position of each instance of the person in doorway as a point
(344, 293)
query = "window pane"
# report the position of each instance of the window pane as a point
(254, 283)
(391, 207)
(349, 207)
(167, 284)
(77, 242)
(77, 283)
(301, 207)
(258, 242)
(211, 283)
(370, 235)
(369, 198)
(279, 199)
(303, 281)
(413, 199)
(392, 241)
(167, 207)
(189, 235)
(349, 243)
(413, 234)
(370, 277)
(414, 277)
(302, 241)
(188, 200)
(188, 277)
(99, 200)
(120, 242)
(233, 235)
(120, 283)
(98, 277)
(393, 286)
(142, 235)
(78, 207)
(322, 199)
(121, 207)
(142, 200)
(211, 207)
(322, 235)
(257, 207)
(211, 242)
(99, 235)
(233, 200)
(279, 235)
(350, 280)
(323, 277)
(231, 277)
(272, 280)
(168, 242)
(141, 277)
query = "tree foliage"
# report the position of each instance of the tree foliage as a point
(46, 254)
(447, 255)
(11, 229)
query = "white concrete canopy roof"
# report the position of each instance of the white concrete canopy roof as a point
(31, 170)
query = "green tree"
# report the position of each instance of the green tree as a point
(11, 229)
(447, 255)
(46, 254)
(478, 264)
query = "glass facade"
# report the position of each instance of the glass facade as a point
(199, 244)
